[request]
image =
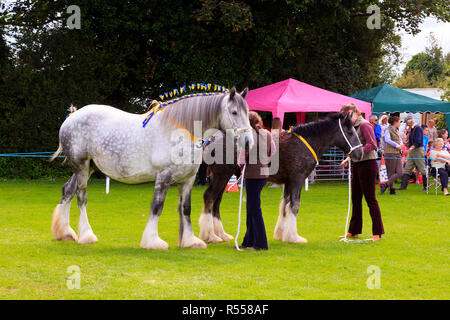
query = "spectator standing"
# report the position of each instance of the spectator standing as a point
(384, 125)
(415, 153)
(433, 134)
(443, 134)
(376, 128)
(276, 124)
(426, 138)
(393, 154)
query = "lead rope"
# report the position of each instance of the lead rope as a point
(240, 208)
(349, 196)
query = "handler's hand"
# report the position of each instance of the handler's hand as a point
(344, 163)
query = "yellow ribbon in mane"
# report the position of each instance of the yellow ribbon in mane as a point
(305, 142)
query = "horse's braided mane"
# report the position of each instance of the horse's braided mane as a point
(184, 112)
(187, 96)
(316, 127)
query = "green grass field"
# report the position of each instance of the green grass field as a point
(413, 256)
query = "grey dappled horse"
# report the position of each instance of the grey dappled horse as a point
(116, 143)
(296, 162)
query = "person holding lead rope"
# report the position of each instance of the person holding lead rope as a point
(364, 175)
(256, 175)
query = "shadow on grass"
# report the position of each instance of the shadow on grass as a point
(215, 253)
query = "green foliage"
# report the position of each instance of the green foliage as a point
(430, 63)
(413, 79)
(445, 84)
(440, 121)
(127, 53)
(32, 168)
(426, 64)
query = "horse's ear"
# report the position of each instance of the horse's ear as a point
(244, 93)
(348, 120)
(232, 93)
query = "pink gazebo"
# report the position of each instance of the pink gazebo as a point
(294, 96)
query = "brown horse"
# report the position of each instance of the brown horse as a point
(296, 162)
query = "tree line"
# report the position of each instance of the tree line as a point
(127, 53)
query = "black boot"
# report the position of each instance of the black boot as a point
(425, 184)
(392, 191)
(405, 181)
(383, 187)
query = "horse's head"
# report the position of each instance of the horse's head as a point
(235, 117)
(346, 137)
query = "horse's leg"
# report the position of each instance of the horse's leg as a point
(186, 238)
(292, 214)
(207, 226)
(281, 222)
(286, 228)
(85, 233)
(60, 225)
(150, 238)
(218, 226)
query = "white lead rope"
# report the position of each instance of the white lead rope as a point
(240, 208)
(349, 196)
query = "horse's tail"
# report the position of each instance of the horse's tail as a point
(57, 152)
(71, 110)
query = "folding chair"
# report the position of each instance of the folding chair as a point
(436, 182)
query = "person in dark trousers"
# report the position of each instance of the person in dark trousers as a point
(415, 154)
(364, 177)
(376, 128)
(256, 175)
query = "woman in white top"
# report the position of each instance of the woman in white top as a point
(440, 161)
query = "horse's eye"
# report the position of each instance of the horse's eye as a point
(234, 112)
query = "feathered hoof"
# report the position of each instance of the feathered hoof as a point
(226, 237)
(277, 235)
(300, 240)
(154, 244)
(69, 235)
(88, 238)
(211, 238)
(60, 230)
(194, 243)
(65, 235)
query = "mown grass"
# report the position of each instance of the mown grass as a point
(413, 256)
